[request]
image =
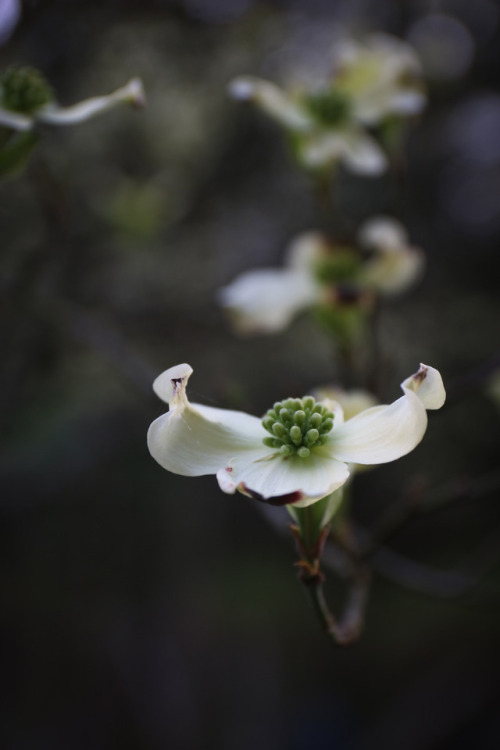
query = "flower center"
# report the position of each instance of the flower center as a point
(329, 108)
(342, 264)
(24, 90)
(297, 425)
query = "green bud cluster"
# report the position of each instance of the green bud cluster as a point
(329, 108)
(342, 264)
(297, 425)
(24, 90)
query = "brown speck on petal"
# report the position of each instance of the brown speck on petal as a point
(289, 499)
(421, 375)
(177, 384)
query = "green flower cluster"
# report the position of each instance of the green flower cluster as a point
(297, 425)
(24, 90)
(329, 108)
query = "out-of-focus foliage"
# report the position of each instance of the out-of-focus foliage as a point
(142, 610)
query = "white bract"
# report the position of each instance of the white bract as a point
(265, 301)
(370, 81)
(52, 113)
(382, 75)
(395, 265)
(299, 452)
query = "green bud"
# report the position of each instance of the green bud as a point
(271, 442)
(316, 420)
(24, 90)
(300, 417)
(312, 437)
(326, 426)
(279, 430)
(329, 108)
(268, 422)
(297, 426)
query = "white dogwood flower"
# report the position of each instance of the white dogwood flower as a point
(321, 124)
(265, 301)
(299, 452)
(371, 80)
(26, 100)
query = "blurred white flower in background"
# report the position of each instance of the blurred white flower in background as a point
(26, 100)
(382, 76)
(395, 264)
(370, 81)
(299, 452)
(266, 300)
(321, 125)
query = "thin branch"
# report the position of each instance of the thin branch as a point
(348, 628)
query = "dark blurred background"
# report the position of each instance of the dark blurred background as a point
(147, 611)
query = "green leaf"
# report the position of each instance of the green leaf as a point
(15, 151)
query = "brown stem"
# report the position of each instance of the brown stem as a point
(348, 628)
(310, 542)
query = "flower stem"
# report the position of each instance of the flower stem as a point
(310, 536)
(347, 629)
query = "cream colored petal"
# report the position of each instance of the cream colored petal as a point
(371, 109)
(372, 74)
(53, 114)
(384, 433)
(305, 250)
(272, 100)
(266, 300)
(364, 156)
(15, 121)
(172, 382)
(399, 56)
(396, 265)
(322, 149)
(192, 439)
(427, 383)
(407, 102)
(284, 481)
(394, 272)
(383, 232)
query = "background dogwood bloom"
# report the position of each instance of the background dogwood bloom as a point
(266, 300)
(26, 100)
(371, 80)
(321, 125)
(395, 264)
(193, 440)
